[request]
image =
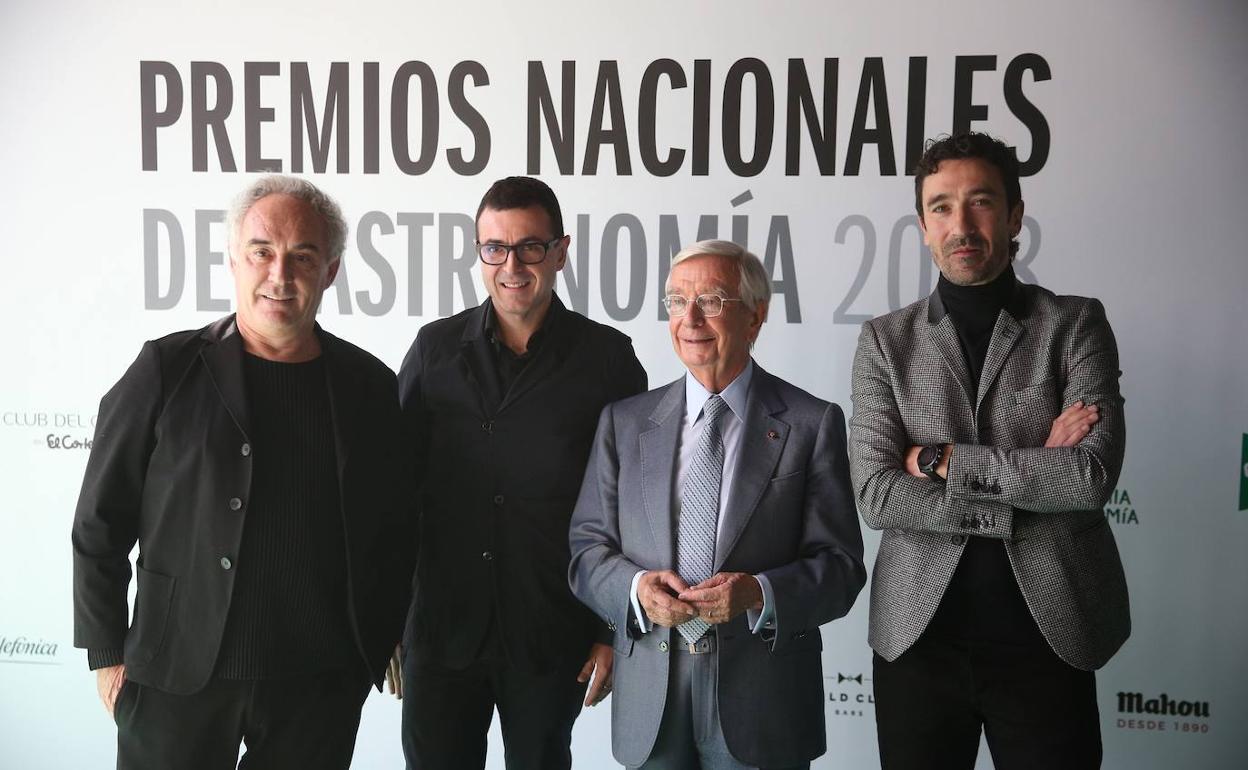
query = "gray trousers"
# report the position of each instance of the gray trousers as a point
(690, 736)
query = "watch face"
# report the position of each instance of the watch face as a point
(928, 456)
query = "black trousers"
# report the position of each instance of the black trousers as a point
(1035, 710)
(447, 713)
(297, 723)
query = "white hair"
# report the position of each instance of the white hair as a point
(754, 286)
(276, 184)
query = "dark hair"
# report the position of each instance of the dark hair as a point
(970, 145)
(521, 192)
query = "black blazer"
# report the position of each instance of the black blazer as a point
(499, 475)
(170, 468)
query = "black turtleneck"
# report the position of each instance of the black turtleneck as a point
(983, 603)
(974, 310)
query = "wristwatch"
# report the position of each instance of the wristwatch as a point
(929, 458)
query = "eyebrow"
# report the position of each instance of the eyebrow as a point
(523, 239)
(940, 197)
(305, 246)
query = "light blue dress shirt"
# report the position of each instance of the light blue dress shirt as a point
(731, 427)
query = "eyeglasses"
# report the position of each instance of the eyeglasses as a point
(529, 252)
(711, 305)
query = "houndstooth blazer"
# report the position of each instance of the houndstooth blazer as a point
(911, 386)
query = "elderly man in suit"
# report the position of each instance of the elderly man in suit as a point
(715, 532)
(987, 435)
(502, 401)
(258, 464)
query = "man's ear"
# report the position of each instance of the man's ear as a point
(564, 244)
(1016, 219)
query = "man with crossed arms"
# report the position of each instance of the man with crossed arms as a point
(987, 436)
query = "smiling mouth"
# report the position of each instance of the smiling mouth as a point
(513, 285)
(277, 299)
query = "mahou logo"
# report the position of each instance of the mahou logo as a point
(1162, 713)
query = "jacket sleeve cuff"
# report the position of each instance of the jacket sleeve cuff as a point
(643, 622)
(765, 618)
(104, 658)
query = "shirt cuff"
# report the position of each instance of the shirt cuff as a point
(766, 617)
(643, 622)
(104, 658)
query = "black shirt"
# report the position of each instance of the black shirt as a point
(288, 614)
(507, 363)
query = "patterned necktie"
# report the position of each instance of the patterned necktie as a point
(699, 510)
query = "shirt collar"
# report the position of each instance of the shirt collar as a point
(490, 326)
(734, 395)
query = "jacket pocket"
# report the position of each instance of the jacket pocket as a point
(810, 640)
(1045, 390)
(152, 602)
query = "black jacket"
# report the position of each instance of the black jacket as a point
(499, 475)
(170, 469)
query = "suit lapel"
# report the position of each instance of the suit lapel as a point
(658, 468)
(224, 362)
(757, 458)
(945, 339)
(1005, 336)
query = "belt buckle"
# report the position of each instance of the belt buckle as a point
(704, 645)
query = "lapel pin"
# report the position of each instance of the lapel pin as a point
(771, 434)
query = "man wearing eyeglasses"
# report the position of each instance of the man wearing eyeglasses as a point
(502, 401)
(716, 530)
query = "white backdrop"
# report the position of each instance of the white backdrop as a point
(1129, 116)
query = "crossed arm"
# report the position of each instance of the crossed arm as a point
(1075, 469)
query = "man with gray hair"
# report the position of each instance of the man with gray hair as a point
(258, 464)
(715, 532)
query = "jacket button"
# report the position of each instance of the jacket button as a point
(976, 486)
(958, 539)
(996, 489)
(965, 523)
(498, 499)
(245, 449)
(662, 646)
(226, 563)
(235, 504)
(487, 556)
(487, 426)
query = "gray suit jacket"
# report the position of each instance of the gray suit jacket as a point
(792, 519)
(912, 387)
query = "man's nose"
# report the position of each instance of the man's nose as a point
(512, 263)
(963, 222)
(280, 267)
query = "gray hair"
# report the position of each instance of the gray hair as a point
(754, 286)
(276, 184)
